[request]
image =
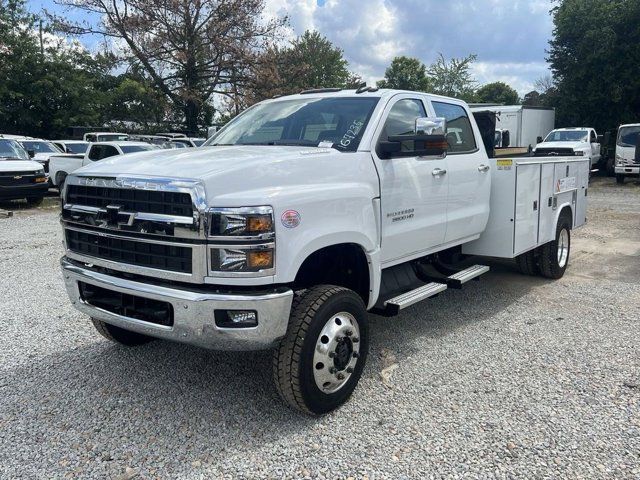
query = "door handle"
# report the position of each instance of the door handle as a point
(438, 172)
(483, 168)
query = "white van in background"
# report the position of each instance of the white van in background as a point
(627, 151)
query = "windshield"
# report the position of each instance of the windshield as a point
(10, 149)
(337, 122)
(40, 147)
(112, 137)
(136, 148)
(77, 147)
(628, 136)
(567, 136)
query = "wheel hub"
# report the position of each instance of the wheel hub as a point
(563, 248)
(336, 353)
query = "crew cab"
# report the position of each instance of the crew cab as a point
(580, 141)
(627, 162)
(298, 217)
(20, 177)
(63, 165)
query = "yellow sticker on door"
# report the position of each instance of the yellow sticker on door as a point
(504, 163)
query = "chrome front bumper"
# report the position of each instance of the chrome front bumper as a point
(193, 311)
(627, 169)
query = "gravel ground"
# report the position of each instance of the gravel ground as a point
(510, 377)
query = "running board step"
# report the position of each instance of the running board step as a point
(395, 304)
(456, 280)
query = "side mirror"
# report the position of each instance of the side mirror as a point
(539, 140)
(428, 140)
(31, 153)
(506, 141)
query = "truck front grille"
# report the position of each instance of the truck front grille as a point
(10, 179)
(145, 254)
(133, 200)
(131, 306)
(563, 152)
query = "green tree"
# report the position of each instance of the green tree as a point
(190, 49)
(44, 87)
(406, 73)
(453, 78)
(594, 57)
(497, 92)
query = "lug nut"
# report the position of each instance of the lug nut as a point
(348, 333)
(356, 355)
(340, 376)
(355, 339)
(339, 339)
(349, 370)
(332, 370)
(332, 354)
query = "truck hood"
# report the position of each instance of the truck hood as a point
(574, 145)
(19, 166)
(234, 174)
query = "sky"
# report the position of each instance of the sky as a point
(508, 36)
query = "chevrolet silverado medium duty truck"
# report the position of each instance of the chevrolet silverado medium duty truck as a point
(297, 218)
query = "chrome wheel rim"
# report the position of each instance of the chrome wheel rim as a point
(563, 247)
(336, 353)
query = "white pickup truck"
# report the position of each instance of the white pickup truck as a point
(297, 218)
(62, 165)
(580, 141)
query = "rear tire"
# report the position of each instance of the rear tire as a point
(120, 335)
(554, 257)
(619, 179)
(319, 362)
(528, 263)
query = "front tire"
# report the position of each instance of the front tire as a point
(120, 335)
(619, 179)
(34, 201)
(555, 254)
(319, 362)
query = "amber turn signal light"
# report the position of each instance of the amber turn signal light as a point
(260, 259)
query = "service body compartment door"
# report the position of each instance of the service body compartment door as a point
(527, 208)
(547, 228)
(581, 194)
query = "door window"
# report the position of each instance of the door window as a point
(95, 152)
(459, 132)
(402, 118)
(594, 138)
(109, 151)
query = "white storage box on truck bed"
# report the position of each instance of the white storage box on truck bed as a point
(542, 189)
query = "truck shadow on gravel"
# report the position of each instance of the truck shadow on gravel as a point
(108, 401)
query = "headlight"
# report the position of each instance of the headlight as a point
(246, 222)
(579, 153)
(253, 258)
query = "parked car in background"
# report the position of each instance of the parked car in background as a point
(105, 137)
(171, 135)
(63, 165)
(72, 146)
(627, 152)
(152, 139)
(20, 177)
(188, 142)
(40, 151)
(578, 141)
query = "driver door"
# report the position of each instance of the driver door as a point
(413, 190)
